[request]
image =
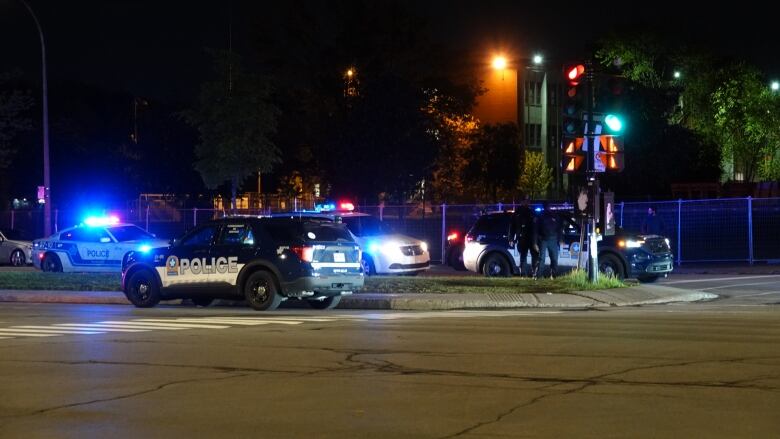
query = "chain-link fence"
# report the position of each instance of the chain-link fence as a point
(741, 229)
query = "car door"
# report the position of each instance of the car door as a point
(92, 250)
(188, 262)
(236, 244)
(5, 250)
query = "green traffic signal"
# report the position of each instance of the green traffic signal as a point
(613, 123)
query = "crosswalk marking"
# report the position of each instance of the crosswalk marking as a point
(224, 322)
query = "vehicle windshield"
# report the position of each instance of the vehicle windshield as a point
(367, 226)
(129, 233)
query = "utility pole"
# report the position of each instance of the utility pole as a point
(46, 175)
(590, 171)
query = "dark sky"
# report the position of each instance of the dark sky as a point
(155, 47)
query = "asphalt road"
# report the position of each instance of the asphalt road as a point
(681, 370)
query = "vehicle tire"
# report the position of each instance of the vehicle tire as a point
(647, 278)
(142, 289)
(456, 259)
(496, 266)
(610, 265)
(369, 269)
(17, 258)
(202, 301)
(51, 263)
(329, 302)
(261, 291)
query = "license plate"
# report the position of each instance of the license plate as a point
(339, 257)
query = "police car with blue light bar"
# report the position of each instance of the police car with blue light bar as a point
(262, 260)
(99, 244)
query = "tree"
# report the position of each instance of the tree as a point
(235, 119)
(14, 105)
(535, 176)
(494, 162)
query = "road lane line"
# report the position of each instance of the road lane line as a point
(739, 285)
(136, 326)
(765, 276)
(16, 334)
(141, 322)
(215, 321)
(99, 327)
(757, 294)
(45, 329)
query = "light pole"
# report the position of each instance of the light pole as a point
(46, 178)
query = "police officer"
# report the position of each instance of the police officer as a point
(549, 236)
(524, 235)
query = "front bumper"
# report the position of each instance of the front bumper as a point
(401, 264)
(653, 264)
(330, 285)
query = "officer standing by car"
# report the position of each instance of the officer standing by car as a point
(550, 235)
(524, 235)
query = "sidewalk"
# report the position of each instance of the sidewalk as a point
(638, 295)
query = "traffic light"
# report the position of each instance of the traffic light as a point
(610, 103)
(609, 155)
(573, 103)
(573, 155)
(572, 108)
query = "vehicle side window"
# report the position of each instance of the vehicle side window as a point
(237, 234)
(492, 225)
(202, 236)
(84, 234)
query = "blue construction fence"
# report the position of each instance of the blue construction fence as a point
(715, 230)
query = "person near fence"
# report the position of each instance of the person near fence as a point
(549, 237)
(653, 224)
(523, 235)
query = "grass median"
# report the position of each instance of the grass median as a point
(574, 281)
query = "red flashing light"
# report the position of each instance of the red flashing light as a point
(452, 236)
(346, 205)
(304, 253)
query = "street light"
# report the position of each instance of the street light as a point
(775, 85)
(499, 62)
(538, 59)
(46, 179)
(677, 74)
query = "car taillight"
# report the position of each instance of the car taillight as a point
(452, 236)
(304, 253)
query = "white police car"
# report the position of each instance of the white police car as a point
(97, 245)
(383, 250)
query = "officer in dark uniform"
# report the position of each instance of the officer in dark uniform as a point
(524, 234)
(549, 236)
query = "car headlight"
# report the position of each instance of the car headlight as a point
(424, 246)
(391, 249)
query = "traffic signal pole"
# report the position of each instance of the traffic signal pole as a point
(590, 172)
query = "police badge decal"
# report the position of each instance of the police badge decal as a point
(172, 265)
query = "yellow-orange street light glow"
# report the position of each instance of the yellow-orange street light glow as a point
(499, 62)
(350, 72)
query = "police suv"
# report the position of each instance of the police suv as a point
(645, 257)
(97, 245)
(263, 260)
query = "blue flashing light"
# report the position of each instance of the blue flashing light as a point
(98, 221)
(145, 248)
(324, 207)
(537, 209)
(373, 247)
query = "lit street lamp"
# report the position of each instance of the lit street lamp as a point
(677, 74)
(538, 59)
(46, 179)
(775, 85)
(499, 62)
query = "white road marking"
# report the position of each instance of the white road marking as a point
(44, 329)
(17, 334)
(739, 285)
(765, 276)
(759, 294)
(222, 321)
(141, 322)
(99, 327)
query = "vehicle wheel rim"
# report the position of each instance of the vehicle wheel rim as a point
(494, 269)
(259, 291)
(16, 258)
(607, 269)
(142, 288)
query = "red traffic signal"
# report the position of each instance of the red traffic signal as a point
(574, 73)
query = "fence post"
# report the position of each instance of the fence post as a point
(147, 217)
(622, 207)
(13, 215)
(443, 230)
(750, 228)
(194, 216)
(679, 231)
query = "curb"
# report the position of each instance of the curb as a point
(634, 296)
